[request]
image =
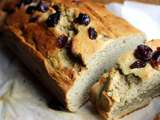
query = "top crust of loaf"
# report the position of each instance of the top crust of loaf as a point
(45, 40)
(105, 23)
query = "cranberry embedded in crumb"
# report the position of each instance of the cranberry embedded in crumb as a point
(9, 10)
(155, 61)
(158, 48)
(143, 52)
(56, 8)
(92, 33)
(33, 19)
(31, 9)
(82, 19)
(27, 1)
(53, 19)
(42, 6)
(138, 64)
(18, 5)
(62, 41)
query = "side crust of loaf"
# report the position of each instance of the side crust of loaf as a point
(40, 67)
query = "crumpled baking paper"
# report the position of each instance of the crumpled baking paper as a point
(22, 99)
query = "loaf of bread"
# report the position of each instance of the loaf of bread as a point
(67, 45)
(131, 84)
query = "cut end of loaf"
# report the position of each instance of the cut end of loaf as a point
(106, 58)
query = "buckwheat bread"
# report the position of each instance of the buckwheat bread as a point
(123, 89)
(69, 68)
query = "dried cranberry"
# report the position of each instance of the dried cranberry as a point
(82, 19)
(27, 1)
(53, 19)
(75, 31)
(9, 10)
(138, 64)
(31, 9)
(42, 6)
(19, 4)
(56, 8)
(158, 48)
(62, 41)
(143, 52)
(33, 18)
(92, 33)
(155, 61)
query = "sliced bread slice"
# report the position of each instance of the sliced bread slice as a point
(131, 84)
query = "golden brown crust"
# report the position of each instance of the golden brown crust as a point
(95, 90)
(100, 98)
(106, 101)
(39, 37)
(154, 43)
(45, 40)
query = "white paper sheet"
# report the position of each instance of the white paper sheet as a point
(20, 99)
(143, 16)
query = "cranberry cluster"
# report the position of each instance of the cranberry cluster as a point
(42, 7)
(84, 19)
(53, 19)
(144, 54)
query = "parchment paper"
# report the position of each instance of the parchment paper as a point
(22, 99)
